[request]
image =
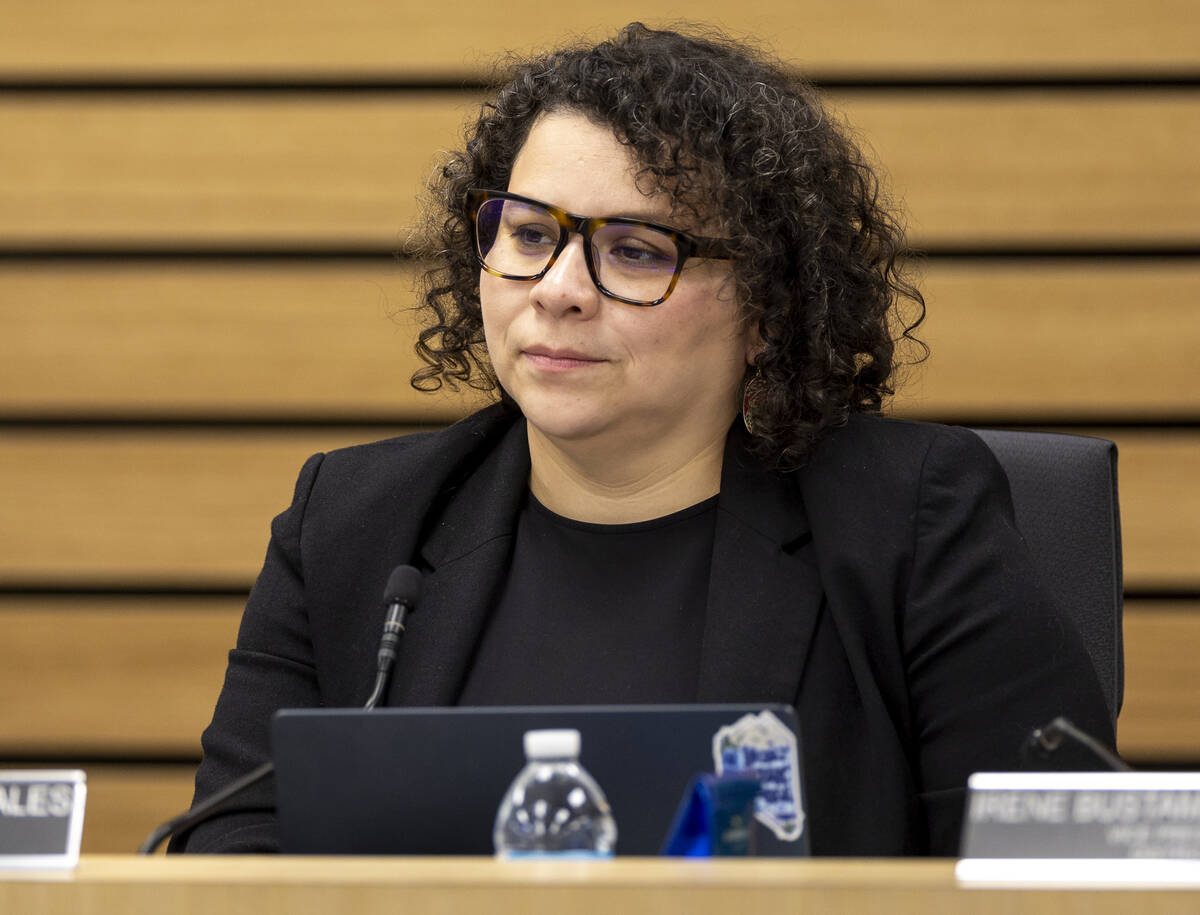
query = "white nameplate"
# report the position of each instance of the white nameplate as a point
(41, 817)
(1082, 827)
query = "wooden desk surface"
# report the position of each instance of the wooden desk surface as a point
(365, 886)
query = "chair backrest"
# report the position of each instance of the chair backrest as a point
(1064, 490)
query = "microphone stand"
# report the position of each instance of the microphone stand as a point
(403, 589)
(1047, 739)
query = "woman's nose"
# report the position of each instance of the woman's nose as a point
(567, 287)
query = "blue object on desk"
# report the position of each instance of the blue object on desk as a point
(715, 818)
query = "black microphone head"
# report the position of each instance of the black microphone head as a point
(403, 587)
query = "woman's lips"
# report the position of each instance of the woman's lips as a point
(559, 360)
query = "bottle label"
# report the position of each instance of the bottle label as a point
(580, 854)
(765, 748)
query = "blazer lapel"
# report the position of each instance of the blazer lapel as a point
(764, 591)
(466, 555)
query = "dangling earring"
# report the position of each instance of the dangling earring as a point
(752, 395)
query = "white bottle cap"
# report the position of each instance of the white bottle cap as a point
(558, 744)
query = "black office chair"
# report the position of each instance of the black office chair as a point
(1064, 491)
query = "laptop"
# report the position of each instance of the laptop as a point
(428, 781)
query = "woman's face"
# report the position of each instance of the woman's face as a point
(582, 365)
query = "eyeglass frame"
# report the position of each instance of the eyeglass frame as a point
(686, 245)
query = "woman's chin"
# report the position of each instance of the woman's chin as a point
(565, 426)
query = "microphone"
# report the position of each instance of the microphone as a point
(1045, 741)
(399, 597)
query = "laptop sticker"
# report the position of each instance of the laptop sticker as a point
(762, 746)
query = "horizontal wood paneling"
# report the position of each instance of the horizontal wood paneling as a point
(1030, 341)
(1039, 341)
(147, 507)
(150, 669)
(171, 170)
(300, 170)
(126, 803)
(1038, 167)
(1046, 340)
(1159, 481)
(142, 508)
(1161, 718)
(111, 675)
(305, 37)
(215, 340)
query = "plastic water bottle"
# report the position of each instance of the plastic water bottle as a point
(554, 808)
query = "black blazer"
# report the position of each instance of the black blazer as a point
(883, 590)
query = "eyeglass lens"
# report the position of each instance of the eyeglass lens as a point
(518, 239)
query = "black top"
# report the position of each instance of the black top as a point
(597, 613)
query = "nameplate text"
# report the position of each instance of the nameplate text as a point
(41, 817)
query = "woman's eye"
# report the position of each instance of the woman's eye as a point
(534, 236)
(635, 253)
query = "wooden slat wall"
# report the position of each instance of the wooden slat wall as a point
(1055, 340)
(153, 662)
(321, 169)
(118, 507)
(123, 38)
(175, 336)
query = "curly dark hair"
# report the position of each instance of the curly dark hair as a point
(736, 139)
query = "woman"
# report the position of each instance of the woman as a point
(678, 274)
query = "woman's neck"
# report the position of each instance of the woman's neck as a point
(620, 484)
